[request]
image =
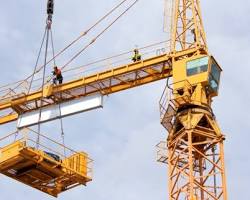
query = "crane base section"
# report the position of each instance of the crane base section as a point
(43, 170)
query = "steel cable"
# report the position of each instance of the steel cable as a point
(102, 32)
(43, 82)
(76, 40)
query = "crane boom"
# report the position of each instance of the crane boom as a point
(106, 82)
(195, 151)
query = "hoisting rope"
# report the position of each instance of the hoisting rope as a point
(99, 35)
(43, 82)
(47, 35)
(32, 78)
(84, 33)
(113, 57)
(50, 11)
(98, 61)
(37, 60)
(62, 130)
(52, 46)
(93, 40)
(59, 103)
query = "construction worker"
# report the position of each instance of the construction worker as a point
(57, 75)
(194, 34)
(137, 56)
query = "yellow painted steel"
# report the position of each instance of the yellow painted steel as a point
(195, 154)
(194, 146)
(8, 118)
(40, 169)
(106, 82)
(180, 72)
(47, 90)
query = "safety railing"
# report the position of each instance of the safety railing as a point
(181, 93)
(170, 94)
(162, 152)
(164, 100)
(167, 109)
(171, 99)
(72, 73)
(53, 150)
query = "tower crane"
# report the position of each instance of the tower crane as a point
(193, 149)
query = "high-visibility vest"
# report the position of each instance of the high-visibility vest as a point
(137, 56)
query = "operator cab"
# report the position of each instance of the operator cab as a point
(201, 69)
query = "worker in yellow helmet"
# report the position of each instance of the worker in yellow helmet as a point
(137, 56)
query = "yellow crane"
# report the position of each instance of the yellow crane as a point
(193, 150)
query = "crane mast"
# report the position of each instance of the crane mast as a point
(193, 150)
(187, 29)
(195, 156)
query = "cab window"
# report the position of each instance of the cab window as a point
(197, 66)
(214, 77)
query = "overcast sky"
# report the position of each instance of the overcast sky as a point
(121, 137)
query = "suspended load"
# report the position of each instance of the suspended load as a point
(47, 166)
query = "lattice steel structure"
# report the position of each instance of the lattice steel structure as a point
(195, 156)
(187, 29)
(194, 147)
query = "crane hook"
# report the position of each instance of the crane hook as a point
(50, 11)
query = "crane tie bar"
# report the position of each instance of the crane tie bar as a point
(74, 41)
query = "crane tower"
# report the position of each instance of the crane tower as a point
(194, 145)
(193, 149)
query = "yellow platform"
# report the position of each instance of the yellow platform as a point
(42, 168)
